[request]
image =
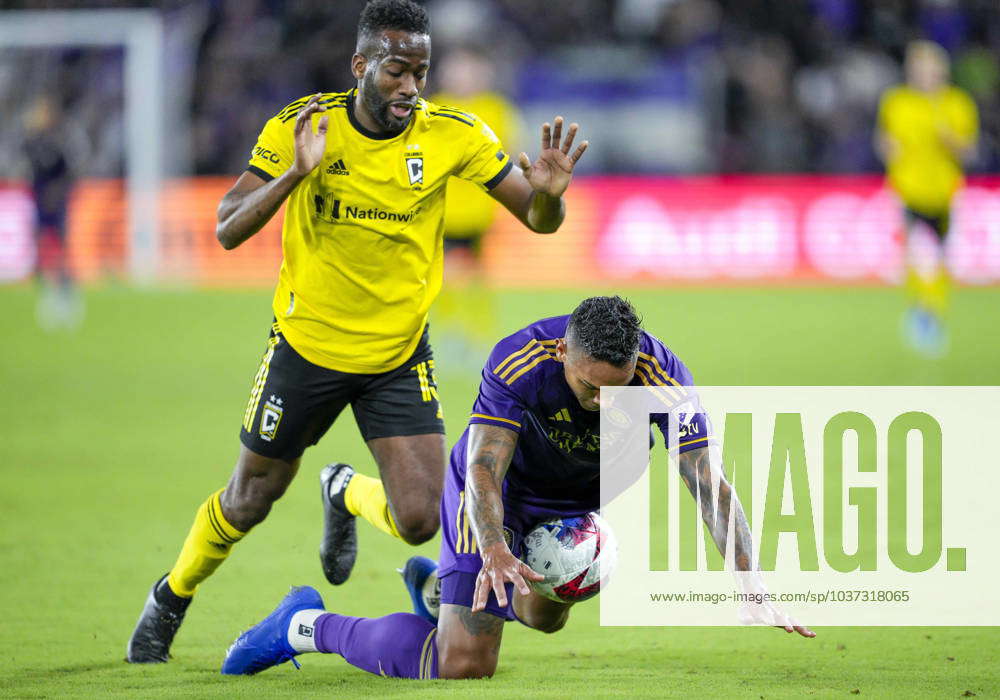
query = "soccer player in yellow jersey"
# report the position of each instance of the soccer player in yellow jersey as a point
(465, 314)
(927, 129)
(362, 175)
(466, 79)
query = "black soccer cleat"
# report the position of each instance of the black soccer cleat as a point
(160, 619)
(339, 548)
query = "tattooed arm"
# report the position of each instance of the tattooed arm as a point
(489, 454)
(702, 471)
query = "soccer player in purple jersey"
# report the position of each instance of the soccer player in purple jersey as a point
(531, 452)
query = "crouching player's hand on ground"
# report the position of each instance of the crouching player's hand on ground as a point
(766, 614)
(500, 567)
(759, 611)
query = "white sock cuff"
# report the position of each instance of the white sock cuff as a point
(302, 630)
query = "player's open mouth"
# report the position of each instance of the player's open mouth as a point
(401, 110)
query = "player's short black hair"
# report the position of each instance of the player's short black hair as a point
(401, 15)
(606, 329)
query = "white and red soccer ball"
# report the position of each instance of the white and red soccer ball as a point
(575, 555)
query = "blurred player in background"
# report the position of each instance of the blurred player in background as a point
(927, 130)
(532, 452)
(464, 317)
(467, 79)
(52, 177)
(362, 174)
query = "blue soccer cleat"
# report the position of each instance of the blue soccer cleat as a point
(266, 644)
(926, 333)
(424, 587)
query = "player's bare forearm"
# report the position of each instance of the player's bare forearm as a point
(545, 213)
(490, 452)
(540, 212)
(249, 205)
(702, 472)
(961, 149)
(252, 202)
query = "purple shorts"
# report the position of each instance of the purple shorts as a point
(459, 588)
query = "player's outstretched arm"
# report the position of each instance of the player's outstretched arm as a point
(718, 502)
(252, 201)
(489, 454)
(535, 197)
(702, 472)
(962, 147)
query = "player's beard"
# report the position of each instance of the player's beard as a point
(378, 107)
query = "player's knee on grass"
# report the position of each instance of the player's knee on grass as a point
(256, 483)
(459, 664)
(468, 643)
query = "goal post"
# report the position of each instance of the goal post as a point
(140, 33)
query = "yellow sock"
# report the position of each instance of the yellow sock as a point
(937, 291)
(207, 545)
(365, 496)
(930, 291)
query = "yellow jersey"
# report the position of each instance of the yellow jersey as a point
(469, 211)
(924, 171)
(362, 235)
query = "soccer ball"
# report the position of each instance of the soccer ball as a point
(575, 555)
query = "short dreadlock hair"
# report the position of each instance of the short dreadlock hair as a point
(606, 329)
(402, 15)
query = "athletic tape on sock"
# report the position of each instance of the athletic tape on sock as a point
(302, 630)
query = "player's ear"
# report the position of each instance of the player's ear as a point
(358, 65)
(561, 350)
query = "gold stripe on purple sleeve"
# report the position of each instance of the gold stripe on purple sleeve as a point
(502, 420)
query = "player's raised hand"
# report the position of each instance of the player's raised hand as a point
(499, 567)
(553, 170)
(310, 145)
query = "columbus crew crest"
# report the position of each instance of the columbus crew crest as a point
(415, 169)
(270, 417)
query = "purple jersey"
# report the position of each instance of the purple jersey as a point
(555, 469)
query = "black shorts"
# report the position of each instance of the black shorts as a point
(472, 243)
(939, 223)
(294, 402)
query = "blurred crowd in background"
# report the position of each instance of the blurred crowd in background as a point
(659, 86)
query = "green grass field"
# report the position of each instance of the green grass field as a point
(114, 434)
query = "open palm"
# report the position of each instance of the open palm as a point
(310, 145)
(552, 172)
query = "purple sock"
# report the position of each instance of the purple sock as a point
(400, 645)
